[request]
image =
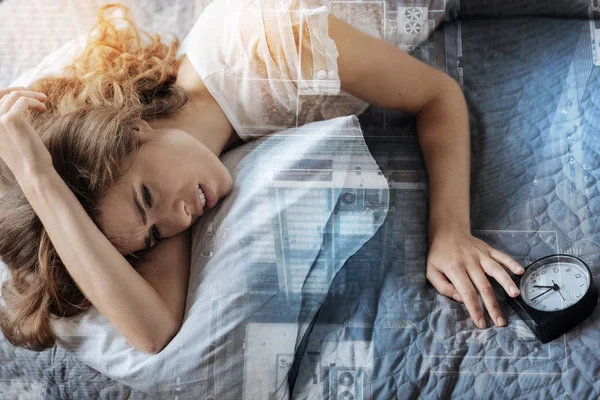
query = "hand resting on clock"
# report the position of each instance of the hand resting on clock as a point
(457, 266)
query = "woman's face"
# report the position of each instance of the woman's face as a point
(163, 179)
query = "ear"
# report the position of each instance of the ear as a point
(143, 129)
(144, 125)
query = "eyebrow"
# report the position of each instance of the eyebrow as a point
(147, 240)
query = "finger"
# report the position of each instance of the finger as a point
(506, 260)
(7, 101)
(24, 104)
(10, 89)
(442, 284)
(25, 92)
(14, 98)
(495, 270)
(487, 293)
(461, 281)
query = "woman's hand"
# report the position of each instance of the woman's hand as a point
(457, 265)
(21, 147)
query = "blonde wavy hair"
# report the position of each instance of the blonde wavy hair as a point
(89, 129)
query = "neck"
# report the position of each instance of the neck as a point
(205, 121)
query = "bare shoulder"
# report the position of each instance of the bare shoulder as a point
(188, 78)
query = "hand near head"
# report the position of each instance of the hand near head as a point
(21, 147)
(457, 266)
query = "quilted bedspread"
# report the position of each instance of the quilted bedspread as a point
(529, 71)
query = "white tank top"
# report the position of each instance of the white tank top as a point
(269, 65)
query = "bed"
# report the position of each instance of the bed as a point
(378, 330)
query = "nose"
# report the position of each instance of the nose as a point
(176, 219)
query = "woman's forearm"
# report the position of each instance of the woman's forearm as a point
(443, 131)
(458, 265)
(123, 296)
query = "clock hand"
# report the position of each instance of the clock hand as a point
(551, 287)
(541, 294)
(558, 289)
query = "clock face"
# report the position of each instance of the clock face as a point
(555, 285)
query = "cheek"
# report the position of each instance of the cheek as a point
(206, 162)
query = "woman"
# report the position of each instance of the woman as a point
(108, 167)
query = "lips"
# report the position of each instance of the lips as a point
(211, 197)
(198, 204)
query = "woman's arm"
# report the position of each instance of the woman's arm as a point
(131, 304)
(383, 75)
(167, 268)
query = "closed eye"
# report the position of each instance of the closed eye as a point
(147, 196)
(154, 232)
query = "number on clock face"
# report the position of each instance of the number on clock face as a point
(539, 292)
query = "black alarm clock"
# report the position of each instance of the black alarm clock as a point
(557, 293)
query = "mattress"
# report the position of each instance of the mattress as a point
(531, 82)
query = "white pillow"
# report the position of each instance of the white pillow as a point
(53, 64)
(304, 200)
